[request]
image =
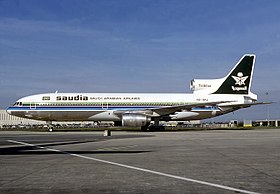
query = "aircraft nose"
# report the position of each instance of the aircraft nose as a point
(9, 111)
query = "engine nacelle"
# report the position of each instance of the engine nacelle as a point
(135, 120)
(183, 115)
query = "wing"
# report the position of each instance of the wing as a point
(166, 110)
(171, 109)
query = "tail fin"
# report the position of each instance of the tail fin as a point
(238, 81)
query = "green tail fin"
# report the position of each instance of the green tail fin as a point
(238, 81)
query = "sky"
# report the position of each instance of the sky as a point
(137, 46)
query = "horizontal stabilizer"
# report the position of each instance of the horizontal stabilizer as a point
(246, 105)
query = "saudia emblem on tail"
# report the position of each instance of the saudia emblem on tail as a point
(240, 81)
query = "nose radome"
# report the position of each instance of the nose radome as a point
(9, 111)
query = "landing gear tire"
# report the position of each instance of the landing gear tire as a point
(50, 126)
(144, 128)
(156, 128)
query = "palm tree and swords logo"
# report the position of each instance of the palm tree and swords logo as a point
(240, 84)
(239, 79)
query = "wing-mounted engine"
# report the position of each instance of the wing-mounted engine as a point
(185, 115)
(205, 86)
(135, 120)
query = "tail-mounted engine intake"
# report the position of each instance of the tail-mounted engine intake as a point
(135, 120)
(205, 86)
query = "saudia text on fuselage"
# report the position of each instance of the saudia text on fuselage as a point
(234, 88)
(77, 98)
(86, 98)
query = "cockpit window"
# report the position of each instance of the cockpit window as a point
(18, 104)
(46, 98)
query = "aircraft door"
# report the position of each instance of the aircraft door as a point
(105, 105)
(32, 105)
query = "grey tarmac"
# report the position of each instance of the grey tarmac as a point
(213, 161)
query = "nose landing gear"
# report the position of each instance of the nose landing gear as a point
(50, 126)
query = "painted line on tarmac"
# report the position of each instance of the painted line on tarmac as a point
(116, 148)
(139, 169)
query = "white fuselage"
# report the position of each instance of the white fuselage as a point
(210, 98)
(106, 106)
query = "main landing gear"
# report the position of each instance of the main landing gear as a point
(153, 127)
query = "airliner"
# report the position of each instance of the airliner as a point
(209, 98)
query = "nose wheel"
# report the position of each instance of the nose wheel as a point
(50, 126)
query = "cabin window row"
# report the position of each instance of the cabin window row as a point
(105, 104)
